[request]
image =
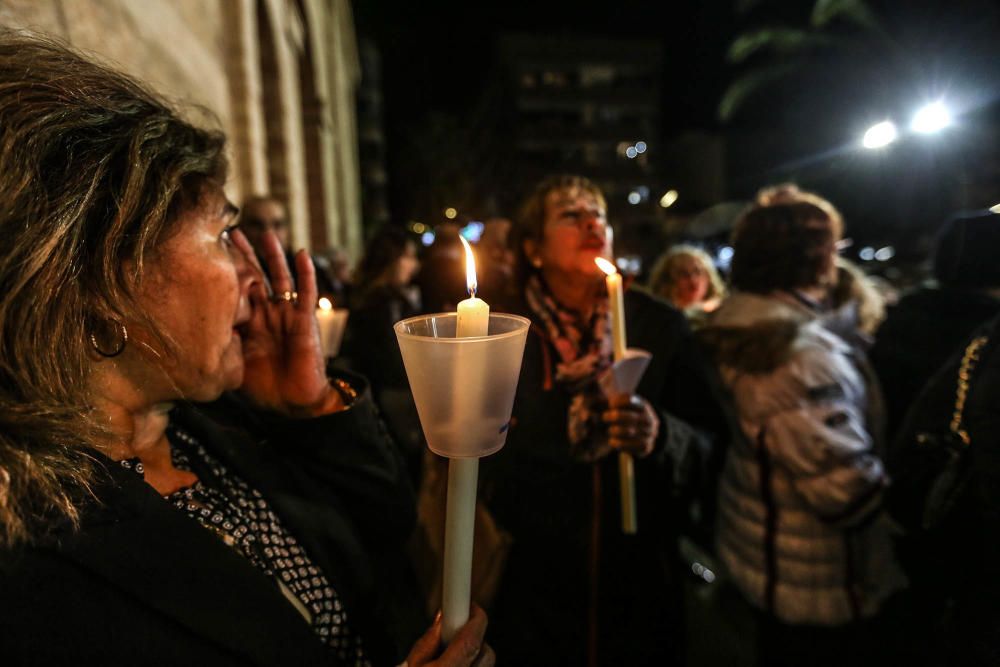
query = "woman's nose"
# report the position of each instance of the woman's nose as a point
(248, 271)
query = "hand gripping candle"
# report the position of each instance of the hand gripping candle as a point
(626, 466)
(463, 477)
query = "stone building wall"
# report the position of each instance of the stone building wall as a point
(278, 76)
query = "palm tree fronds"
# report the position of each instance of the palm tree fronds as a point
(855, 11)
(750, 83)
(778, 40)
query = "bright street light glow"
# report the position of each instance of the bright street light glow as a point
(631, 152)
(880, 135)
(668, 198)
(640, 147)
(634, 198)
(930, 118)
(450, 213)
(995, 208)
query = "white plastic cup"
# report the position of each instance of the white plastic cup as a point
(463, 387)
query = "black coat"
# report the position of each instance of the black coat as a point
(142, 583)
(954, 564)
(573, 582)
(920, 333)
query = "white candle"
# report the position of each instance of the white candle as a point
(331, 326)
(626, 466)
(463, 476)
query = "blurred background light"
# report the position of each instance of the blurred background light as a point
(450, 213)
(473, 231)
(634, 197)
(427, 238)
(631, 152)
(867, 253)
(880, 135)
(885, 254)
(640, 147)
(668, 198)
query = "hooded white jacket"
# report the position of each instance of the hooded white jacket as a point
(798, 530)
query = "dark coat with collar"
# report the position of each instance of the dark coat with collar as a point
(142, 583)
(574, 584)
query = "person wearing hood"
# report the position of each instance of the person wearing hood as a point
(799, 523)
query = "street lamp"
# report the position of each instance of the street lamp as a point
(880, 135)
(931, 118)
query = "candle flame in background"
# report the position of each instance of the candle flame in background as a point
(325, 304)
(470, 267)
(605, 266)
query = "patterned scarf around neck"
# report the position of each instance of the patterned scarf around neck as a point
(585, 351)
(584, 348)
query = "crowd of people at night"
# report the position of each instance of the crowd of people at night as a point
(186, 477)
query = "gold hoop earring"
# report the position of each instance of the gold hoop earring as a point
(119, 348)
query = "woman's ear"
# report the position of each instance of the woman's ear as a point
(530, 247)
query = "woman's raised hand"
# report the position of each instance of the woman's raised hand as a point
(466, 648)
(284, 368)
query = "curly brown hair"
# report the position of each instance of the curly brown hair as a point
(94, 169)
(785, 240)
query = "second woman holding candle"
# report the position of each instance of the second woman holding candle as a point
(576, 590)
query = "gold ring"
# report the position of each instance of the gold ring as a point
(286, 296)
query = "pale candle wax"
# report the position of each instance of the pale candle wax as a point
(616, 306)
(326, 318)
(626, 466)
(473, 313)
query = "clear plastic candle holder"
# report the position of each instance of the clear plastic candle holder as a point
(463, 387)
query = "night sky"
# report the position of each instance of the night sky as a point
(438, 57)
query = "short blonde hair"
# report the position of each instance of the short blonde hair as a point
(661, 279)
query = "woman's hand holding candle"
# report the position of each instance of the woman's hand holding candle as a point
(632, 425)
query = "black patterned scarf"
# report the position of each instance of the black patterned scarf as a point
(584, 349)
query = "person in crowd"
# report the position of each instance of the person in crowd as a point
(495, 259)
(799, 530)
(945, 498)
(143, 517)
(265, 213)
(336, 263)
(384, 295)
(686, 277)
(576, 590)
(442, 277)
(857, 308)
(930, 322)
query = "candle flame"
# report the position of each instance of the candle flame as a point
(470, 267)
(325, 304)
(606, 266)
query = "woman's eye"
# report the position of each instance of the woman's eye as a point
(226, 236)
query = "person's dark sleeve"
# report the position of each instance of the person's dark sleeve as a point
(350, 453)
